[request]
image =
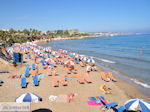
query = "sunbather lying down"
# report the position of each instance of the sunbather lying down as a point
(93, 68)
(15, 76)
(105, 89)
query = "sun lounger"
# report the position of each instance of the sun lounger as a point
(120, 109)
(27, 66)
(27, 73)
(49, 73)
(86, 77)
(67, 70)
(33, 73)
(55, 71)
(48, 55)
(23, 82)
(43, 62)
(35, 81)
(4, 71)
(79, 79)
(55, 81)
(103, 76)
(29, 56)
(76, 61)
(37, 69)
(109, 105)
(111, 77)
(33, 66)
(73, 70)
(62, 78)
(81, 64)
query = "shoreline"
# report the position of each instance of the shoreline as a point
(121, 90)
(43, 41)
(126, 79)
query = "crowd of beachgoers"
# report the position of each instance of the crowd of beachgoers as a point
(64, 80)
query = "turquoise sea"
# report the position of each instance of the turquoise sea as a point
(127, 56)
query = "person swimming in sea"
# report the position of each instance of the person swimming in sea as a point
(141, 51)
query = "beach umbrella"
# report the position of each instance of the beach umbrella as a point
(90, 61)
(60, 50)
(77, 56)
(84, 58)
(69, 63)
(65, 51)
(54, 52)
(28, 97)
(133, 104)
(73, 54)
(49, 60)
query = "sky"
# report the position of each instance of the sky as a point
(85, 15)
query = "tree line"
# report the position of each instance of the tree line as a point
(20, 36)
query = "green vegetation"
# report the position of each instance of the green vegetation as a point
(17, 36)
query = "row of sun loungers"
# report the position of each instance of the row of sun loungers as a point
(64, 83)
(111, 77)
(24, 83)
(86, 78)
(62, 79)
(69, 72)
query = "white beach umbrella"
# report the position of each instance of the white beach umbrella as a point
(90, 61)
(28, 97)
(133, 104)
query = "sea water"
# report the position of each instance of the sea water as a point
(128, 55)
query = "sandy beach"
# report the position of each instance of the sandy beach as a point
(121, 91)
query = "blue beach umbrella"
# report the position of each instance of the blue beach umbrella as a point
(133, 104)
(84, 58)
(28, 97)
(90, 61)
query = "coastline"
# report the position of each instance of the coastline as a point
(43, 41)
(121, 90)
(123, 80)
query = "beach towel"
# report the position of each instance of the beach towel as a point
(15, 77)
(52, 98)
(61, 98)
(104, 89)
(94, 103)
(96, 100)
